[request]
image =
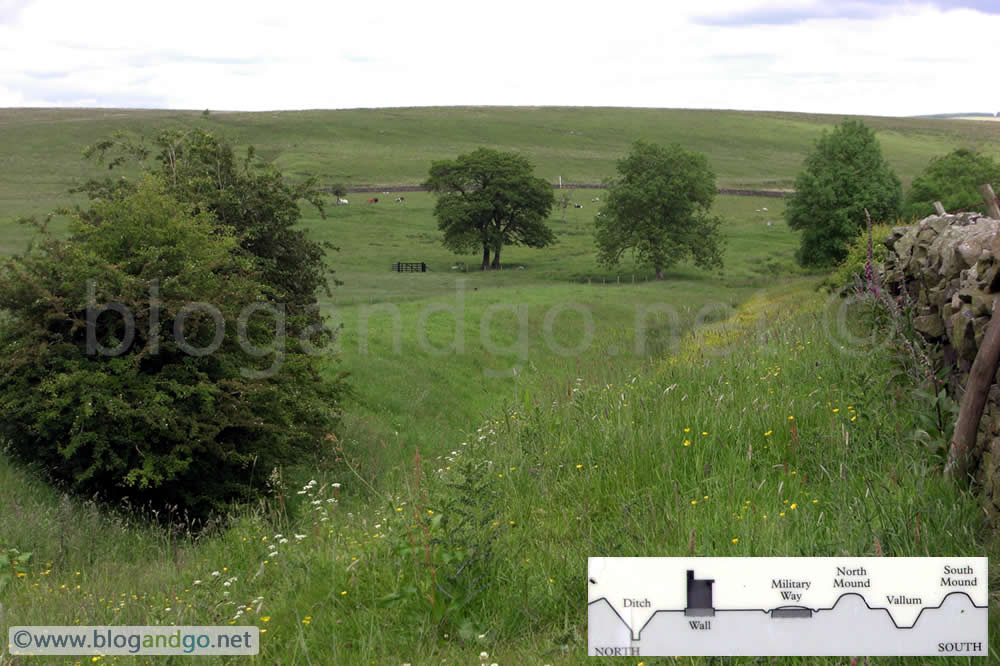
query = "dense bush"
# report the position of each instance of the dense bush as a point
(248, 195)
(854, 265)
(138, 404)
(844, 175)
(952, 180)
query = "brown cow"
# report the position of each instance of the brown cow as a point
(373, 200)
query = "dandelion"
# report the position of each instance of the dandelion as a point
(579, 466)
(687, 442)
(736, 540)
(793, 506)
(791, 418)
(768, 433)
(687, 429)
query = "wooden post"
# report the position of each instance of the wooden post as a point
(977, 388)
(990, 199)
(939, 208)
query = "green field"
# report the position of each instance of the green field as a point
(586, 411)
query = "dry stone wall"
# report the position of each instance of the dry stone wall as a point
(950, 266)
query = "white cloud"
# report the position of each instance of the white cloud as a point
(295, 54)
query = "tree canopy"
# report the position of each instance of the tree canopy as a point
(659, 208)
(844, 174)
(140, 357)
(487, 199)
(246, 195)
(951, 179)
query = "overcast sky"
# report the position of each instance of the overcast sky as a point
(877, 57)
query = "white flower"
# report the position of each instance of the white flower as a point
(197, 582)
(227, 583)
(277, 536)
(300, 537)
(283, 541)
(216, 573)
(336, 485)
(301, 492)
(166, 610)
(483, 655)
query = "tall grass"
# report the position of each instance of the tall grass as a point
(769, 434)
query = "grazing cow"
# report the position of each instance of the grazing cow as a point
(341, 202)
(577, 205)
(373, 200)
(596, 199)
(400, 199)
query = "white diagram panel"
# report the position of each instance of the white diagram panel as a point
(653, 606)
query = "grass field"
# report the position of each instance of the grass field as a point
(41, 148)
(571, 410)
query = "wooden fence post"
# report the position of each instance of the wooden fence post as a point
(990, 199)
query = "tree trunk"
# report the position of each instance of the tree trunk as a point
(977, 388)
(496, 259)
(486, 258)
(659, 273)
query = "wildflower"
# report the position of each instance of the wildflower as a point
(300, 537)
(335, 485)
(266, 618)
(791, 418)
(215, 574)
(736, 540)
(687, 442)
(579, 466)
(768, 433)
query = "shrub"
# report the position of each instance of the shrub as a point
(852, 268)
(952, 180)
(113, 409)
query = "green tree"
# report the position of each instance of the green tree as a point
(247, 195)
(659, 208)
(952, 180)
(132, 399)
(488, 199)
(844, 174)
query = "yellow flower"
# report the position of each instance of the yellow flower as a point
(694, 501)
(687, 442)
(687, 429)
(768, 433)
(791, 418)
(793, 505)
(736, 540)
(836, 410)
(579, 466)
(703, 432)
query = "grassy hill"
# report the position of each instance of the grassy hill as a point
(40, 154)
(587, 412)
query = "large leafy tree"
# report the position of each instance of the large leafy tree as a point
(245, 194)
(844, 174)
(187, 392)
(487, 199)
(659, 207)
(951, 179)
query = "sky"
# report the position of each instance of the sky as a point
(870, 57)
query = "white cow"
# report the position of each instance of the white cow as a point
(341, 201)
